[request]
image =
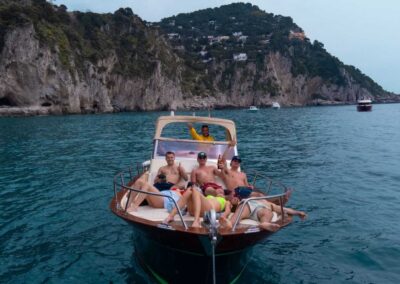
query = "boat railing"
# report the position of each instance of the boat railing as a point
(120, 184)
(244, 202)
(263, 183)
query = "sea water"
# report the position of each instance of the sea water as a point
(56, 176)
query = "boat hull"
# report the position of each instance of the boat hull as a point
(176, 257)
(364, 108)
(172, 256)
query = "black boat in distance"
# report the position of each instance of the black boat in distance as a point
(364, 105)
(176, 252)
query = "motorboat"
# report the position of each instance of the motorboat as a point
(176, 252)
(276, 105)
(364, 105)
(253, 109)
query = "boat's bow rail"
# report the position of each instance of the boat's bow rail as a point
(124, 189)
(265, 184)
(123, 181)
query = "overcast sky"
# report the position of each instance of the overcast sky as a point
(363, 33)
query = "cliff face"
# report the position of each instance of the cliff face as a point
(102, 63)
(33, 80)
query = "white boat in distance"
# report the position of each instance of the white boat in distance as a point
(276, 105)
(253, 108)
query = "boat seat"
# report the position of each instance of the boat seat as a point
(159, 214)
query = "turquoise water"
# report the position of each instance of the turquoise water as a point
(56, 182)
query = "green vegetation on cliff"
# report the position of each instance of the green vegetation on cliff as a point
(203, 50)
(78, 37)
(216, 35)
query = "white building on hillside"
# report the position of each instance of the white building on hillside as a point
(240, 57)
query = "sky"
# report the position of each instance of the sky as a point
(362, 33)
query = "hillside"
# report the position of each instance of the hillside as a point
(54, 61)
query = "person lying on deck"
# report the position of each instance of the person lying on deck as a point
(171, 174)
(155, 201)
(197, 203)
(261, 211)
(204, 176)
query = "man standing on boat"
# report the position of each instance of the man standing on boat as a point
(205, 135)
(171, 174)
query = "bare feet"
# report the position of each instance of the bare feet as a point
(269, 226)
(167, 220)
(132, 208)
(196, 224)
(225, 223)
(288, 193)
(302, 215)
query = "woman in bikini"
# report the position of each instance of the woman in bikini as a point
(197, 203)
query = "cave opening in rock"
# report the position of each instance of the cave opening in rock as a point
(6, 102)
(46, 104)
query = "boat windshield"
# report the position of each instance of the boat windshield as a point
(190, 149)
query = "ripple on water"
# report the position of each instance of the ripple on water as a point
(56, 182)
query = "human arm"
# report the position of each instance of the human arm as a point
(193, 177)
(225, 154)
(193, 132)
(157, 179)
(182, 172)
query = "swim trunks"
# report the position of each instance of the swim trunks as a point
(255, 206)
(168, 203)
(210, 184)
(220, 199)
(163, 185)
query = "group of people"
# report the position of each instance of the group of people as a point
(203, 192)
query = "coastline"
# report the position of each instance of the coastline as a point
(27, 111)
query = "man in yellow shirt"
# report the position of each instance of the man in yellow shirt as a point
(205, 136)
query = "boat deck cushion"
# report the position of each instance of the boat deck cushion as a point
(159, 214)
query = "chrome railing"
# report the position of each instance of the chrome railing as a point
(263, 183)
(119, 184)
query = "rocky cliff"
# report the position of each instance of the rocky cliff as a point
(53, 61)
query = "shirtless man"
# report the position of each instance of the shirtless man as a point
(236, 181)
(204, 175)
(261, 211)
(171, 174)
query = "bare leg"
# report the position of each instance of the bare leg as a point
(245, 213)
(265, 217)
(200, 203)
(225, 223)
(181, 202)
(136, 198)
(154, 201)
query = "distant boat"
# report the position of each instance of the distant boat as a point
(276, 105)
(364, 105)
(253, 108)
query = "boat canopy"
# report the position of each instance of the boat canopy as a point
(229, 125)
